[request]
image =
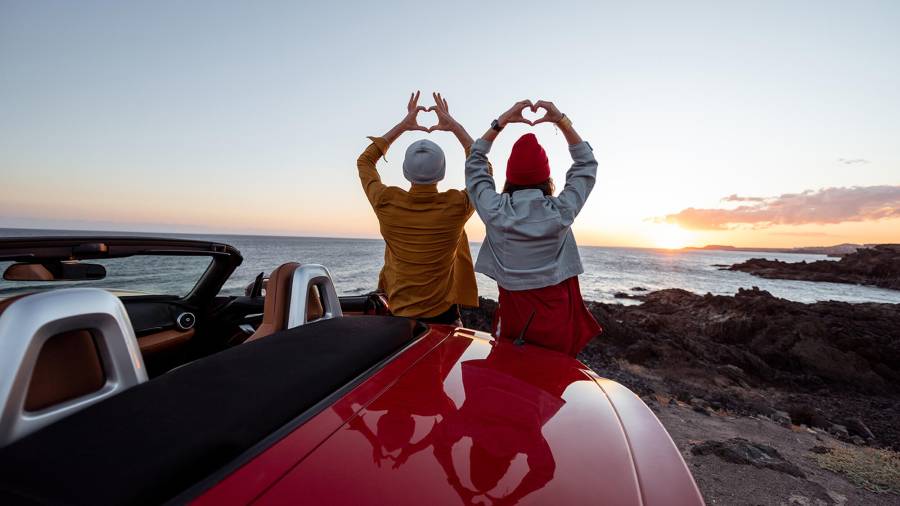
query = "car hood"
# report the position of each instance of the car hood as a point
(481, 422)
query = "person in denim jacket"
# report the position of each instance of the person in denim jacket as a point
(529, 248)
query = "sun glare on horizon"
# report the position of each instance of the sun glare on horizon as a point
(669, 236)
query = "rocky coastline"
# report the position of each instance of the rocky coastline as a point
(876, 266)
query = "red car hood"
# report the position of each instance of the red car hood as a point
(472, 421)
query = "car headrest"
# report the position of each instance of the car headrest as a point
(278, 296)
(319, 299)
(61, 351)
(295, 295)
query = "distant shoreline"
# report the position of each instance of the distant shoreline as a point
(837, 250)
(34, 232)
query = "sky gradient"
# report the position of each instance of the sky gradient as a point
(763, 124)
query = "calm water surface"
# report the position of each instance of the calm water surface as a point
(355, 263)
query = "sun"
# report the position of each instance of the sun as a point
(669, 236)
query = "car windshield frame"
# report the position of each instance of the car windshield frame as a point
(224, 259)
(131, 276)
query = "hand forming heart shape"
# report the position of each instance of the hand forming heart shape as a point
(427, 111)
(516, 113)
(530, 115)
(410, 121)
(551, 114)
(442, 109)
(446, 122)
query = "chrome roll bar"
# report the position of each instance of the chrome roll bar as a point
(304, 279)
(28, 323)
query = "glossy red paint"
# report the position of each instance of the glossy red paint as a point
(253, 478)
(462, 419)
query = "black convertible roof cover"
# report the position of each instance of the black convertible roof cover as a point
(35, 249)
(160, 438)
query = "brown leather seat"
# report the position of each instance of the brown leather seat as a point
(68, 366)
(314, 308)
(278, 300)
(27, 272)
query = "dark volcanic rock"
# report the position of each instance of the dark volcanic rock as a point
(804, 414)
(839, 431)
(877, 266)
(765, 340)
(623, 295)
(479, 318)
(740, 451)
(856, 427)
(782, 418)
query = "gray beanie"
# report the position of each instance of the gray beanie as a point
(424, 163)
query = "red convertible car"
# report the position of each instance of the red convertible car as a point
(289, 394)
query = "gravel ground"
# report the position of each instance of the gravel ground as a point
(723, 482)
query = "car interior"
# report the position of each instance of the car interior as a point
(171, 329)
(138, 373)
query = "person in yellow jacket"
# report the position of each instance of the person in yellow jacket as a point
(427, 271)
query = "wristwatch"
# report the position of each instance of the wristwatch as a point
(496, 125)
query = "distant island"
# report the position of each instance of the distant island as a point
(838, 250)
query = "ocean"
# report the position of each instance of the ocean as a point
(355, 263)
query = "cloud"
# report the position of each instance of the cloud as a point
(736, 198)
(803, 234)
(852, 161)
(819, 207)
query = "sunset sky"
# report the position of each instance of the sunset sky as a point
(761, 124)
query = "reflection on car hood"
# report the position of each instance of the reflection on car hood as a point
(490, 423)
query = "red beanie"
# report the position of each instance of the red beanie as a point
(528, 162)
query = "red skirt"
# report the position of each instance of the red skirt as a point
(561, 321)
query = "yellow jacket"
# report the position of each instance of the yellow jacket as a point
(427, 262)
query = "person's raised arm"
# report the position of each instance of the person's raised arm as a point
(479, 177)
(365, 164)
(581, 176)
(555, 116)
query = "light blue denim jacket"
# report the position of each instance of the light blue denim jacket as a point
(529, 242)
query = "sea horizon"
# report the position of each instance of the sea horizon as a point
(139, 233)
(609, 271)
